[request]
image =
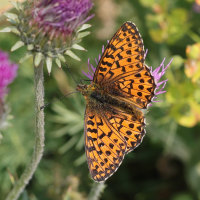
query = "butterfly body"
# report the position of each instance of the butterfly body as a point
(121, 88)
(98, 97)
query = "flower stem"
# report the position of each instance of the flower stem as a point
(97, 188)
(39, 136)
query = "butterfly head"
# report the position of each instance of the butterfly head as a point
(83, 89)
(86, 90)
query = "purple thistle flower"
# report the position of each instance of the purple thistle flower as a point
(156, 74)
(60, 17)
(8, 72)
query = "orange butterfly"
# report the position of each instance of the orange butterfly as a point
(122, 85)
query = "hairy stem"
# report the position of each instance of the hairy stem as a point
(39, 136)
(97, 188)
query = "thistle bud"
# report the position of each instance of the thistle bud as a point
(50, 28)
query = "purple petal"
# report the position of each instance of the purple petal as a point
(64, 16)
(158, 84)
(102, 49)
(157, 75)
(145, 54)
(88, 75)
(160, 92)
(168, 64)
(93, 69)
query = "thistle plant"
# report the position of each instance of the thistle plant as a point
(8, 72)
(50, 29)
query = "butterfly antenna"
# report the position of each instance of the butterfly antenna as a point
(57, 100)
(71, 73)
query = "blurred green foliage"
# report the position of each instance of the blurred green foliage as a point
(166, 165)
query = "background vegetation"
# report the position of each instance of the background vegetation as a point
(166, 166)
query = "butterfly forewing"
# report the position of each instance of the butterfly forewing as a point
(124, 53)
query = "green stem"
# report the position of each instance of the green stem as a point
(39, 136)
(97, 188)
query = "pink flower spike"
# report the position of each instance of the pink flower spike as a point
(158, 69)
(93, 69)
(163, 86)
(102, 49)
(99, 56)
(157, 93)
(8, 72)
(145, 54)
(88, 75)
(158, 84)
(168, 64)
(157, 75)
(96, 61)
(89, 70)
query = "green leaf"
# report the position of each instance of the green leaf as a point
(15, 5)
(11, 15)
(26, 56)
(80, 160)
(68, 145)
(84, 26)
(30, 47)
(11, 21)
(76, 46)
(17, 45)
(38, 59)
(61, 57)
(58, 62)
(82, 34)
(72, 55)
(49, 64)
(10, 29)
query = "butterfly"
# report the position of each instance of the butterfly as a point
(121, 87)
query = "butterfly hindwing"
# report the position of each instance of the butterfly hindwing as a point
(104, 147)
(109, 135)
(129, 127)
(136, 88)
